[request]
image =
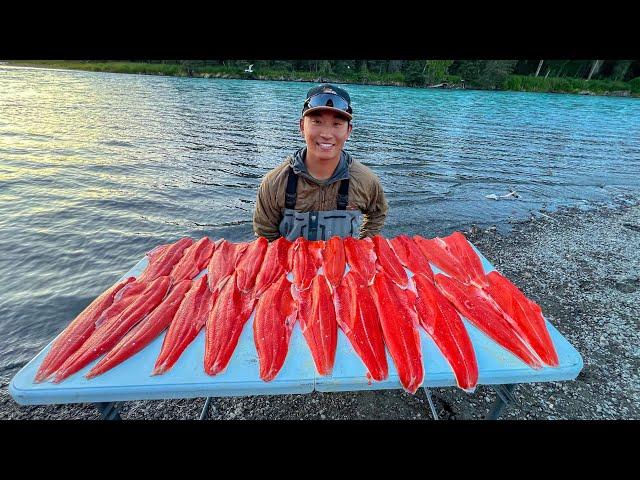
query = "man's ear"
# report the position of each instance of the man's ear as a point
(302, 126)
(350, 129)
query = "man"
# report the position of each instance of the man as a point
(321, 190)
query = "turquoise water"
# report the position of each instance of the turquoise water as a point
(97, 168)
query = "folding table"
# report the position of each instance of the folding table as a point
(131, 380)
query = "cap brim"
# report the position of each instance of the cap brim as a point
(337, 110)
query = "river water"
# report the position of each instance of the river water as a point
(97, 168)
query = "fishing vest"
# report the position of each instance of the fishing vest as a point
(319, 225)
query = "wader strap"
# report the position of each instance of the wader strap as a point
(343, 194)
(292, 187)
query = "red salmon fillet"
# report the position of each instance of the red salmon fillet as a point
(410, 255)
(334, 260)
(481, 310)
(455, 257)
(443, 324)
(357, 316)
(121, 301)
(114, 328)
(318, 323)
(186, 324)
(303, 263)
(315, 250)
(77, 332)
(526, 313)
(195, 258)
(275, 265)
(388, 262)
(361, 257)
(224, 326)
(223, 262)
(248, 265)
(144, 332)
(162, 259)
(400, 330)
(272, 326)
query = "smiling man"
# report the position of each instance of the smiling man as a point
(321, 191)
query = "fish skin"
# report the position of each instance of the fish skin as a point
(77, 332)
(526, 313)
(144, 332)
(248, 265)
(112, 330)
(303, 263)
(399, 323)
(224, 325)
(274, 265)
(361, 257)
(162, 260)
(273, 323)
(334, 261)
(441, 321)
(223, 262)
(194, 259)
(318, 323)
(388, 262)
(189, 319)
(410, 255)
(357, 317)
(481, 310)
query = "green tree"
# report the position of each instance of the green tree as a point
(325, 67)
(414, 73)
(436, 71)
(489, 74)
(620, 70)
(471, 70)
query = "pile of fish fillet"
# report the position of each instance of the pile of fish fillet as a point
(378, 291)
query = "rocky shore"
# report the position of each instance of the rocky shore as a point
(583, 269)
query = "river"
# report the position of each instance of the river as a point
(97, 168)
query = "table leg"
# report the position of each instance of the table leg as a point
(504, 398)
(108, 410)
(431, 405)
(205, 410)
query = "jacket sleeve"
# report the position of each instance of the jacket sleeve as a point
(266, 215)
(376, 213)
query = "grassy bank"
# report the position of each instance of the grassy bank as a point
(572, 85)
(513, 82)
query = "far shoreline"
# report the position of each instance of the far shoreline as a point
(162, 70)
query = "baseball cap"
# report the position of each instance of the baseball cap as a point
(328, 97)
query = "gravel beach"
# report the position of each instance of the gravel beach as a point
(581, 267)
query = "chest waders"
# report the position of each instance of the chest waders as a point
(319, 225)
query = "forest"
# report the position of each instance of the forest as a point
(598, 77)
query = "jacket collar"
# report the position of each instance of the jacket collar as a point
(297, 162)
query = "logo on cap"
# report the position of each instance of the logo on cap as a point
(329, 90)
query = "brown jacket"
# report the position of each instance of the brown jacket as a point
(365, 194)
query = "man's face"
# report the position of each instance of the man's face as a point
(325, 133)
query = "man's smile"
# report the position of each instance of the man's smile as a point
(325, 146)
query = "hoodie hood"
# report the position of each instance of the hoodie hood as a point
(300, 168)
